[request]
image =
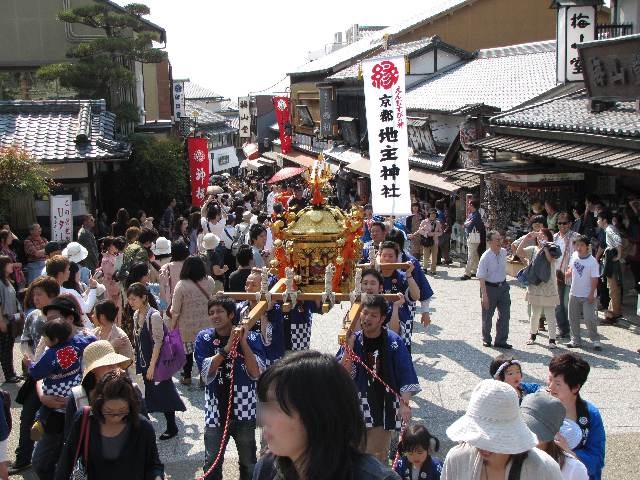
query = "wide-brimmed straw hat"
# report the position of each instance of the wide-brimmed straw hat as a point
(493, 421)
(75, 252)
(100, 354)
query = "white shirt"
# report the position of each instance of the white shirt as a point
(85, 305)
(215, 228)
(612, 237)
(271, 199)
(583, 270)
(493, 268)
(574, 469)
(566, 248)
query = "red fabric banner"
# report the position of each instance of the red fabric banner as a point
(198, 152)
(281, 106)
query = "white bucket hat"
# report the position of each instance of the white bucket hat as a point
(210, 241)
(246, 216)
(161, 247)
(493, 421)
(75, 252)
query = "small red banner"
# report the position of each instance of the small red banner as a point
(281, 106)
(198, 152)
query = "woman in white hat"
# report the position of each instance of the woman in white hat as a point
(76, 253)
(495, 442)
(544, 415)
(162, 255)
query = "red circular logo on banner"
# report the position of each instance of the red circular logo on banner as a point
(385, 75)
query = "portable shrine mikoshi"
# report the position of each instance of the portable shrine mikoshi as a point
(316, 255)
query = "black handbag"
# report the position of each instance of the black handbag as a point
(426, 241)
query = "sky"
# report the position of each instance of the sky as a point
(238, 47)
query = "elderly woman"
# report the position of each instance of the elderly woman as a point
(495, 440)
(567, 374)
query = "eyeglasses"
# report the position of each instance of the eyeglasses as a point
(564, 223)
(115, 414)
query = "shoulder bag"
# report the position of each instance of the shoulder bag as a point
(473, 237)
(79, 471)
(172, 353)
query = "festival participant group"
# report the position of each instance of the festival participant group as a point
(113, 326)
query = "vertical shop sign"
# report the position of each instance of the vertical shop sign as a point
(61, 218)
(198, 152)
(245, 117)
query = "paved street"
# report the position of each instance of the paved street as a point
(450, 360)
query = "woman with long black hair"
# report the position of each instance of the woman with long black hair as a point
(311, 420)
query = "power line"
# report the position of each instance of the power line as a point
(270, 87)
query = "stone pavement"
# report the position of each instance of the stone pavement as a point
(450, 360)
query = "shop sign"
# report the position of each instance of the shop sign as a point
(178, 98)
(612, 69)
(576, 24)
(245, 117)
(384, 88)
(540, 177)
(327, 111)
(61, 218)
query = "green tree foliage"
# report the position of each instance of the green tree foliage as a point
(103, 66)
(21, 174)
(156, 173)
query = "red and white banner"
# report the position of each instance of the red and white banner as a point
(384, 90)
(282, 107)
(198, 152)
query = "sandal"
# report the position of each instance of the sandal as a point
(552, 344)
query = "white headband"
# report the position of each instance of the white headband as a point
(504, 366)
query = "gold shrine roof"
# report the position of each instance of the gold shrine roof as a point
(318, 220)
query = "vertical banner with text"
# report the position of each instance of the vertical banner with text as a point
(61, 218)
(384, 89)
(245, 117)
(198, 152)
(282, 107)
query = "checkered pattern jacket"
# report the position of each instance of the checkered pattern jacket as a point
(206, 346)
(60, 366)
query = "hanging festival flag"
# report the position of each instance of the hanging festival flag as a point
(281, 106)
(384, 90)
(198, 152)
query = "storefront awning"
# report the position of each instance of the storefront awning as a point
(342, 155)
(250, 165)
(266, 161)
(360, 167)
(299, 158)
(583, 153)
(432, 181)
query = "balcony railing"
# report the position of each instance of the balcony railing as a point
(612, 31)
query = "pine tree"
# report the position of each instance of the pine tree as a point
(103, 68)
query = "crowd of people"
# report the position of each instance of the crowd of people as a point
(97, 312)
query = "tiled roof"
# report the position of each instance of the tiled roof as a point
(193, 91)
(571, 113)
(205, 116)
(229, 106)
(431, 162)
(400, 49)
(346, 55)
(61, 130)
(501, 78)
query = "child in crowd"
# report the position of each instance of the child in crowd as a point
(507, 369)
(415, 449)
(59, 367)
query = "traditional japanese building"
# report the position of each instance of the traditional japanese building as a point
(76, 138)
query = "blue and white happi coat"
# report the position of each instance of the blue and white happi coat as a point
(272, 335)
(401, 376)
(206, 346)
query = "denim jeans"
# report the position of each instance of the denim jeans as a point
(46, 455)
(244, 435)
(562, 310)
(32, 270)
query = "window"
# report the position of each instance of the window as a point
(223, 159)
